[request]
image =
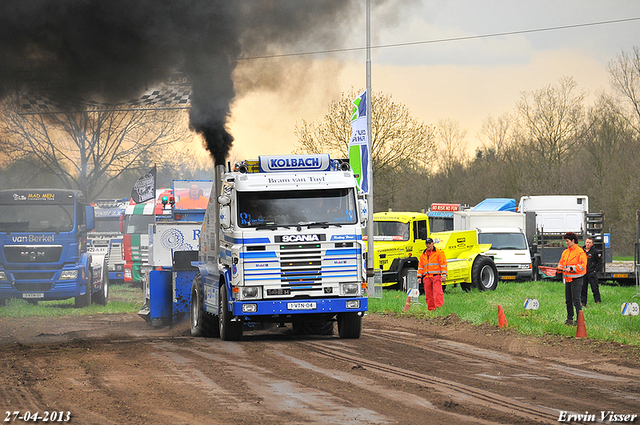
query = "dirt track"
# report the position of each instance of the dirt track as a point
(115, 369)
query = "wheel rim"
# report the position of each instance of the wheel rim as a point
(487, 277)
(221, 316)
(194, 310)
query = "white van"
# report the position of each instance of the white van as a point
(510, 252)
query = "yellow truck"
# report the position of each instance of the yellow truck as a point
(399, 239)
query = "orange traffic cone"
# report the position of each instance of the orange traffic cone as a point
(581, 331)
(407, 304)
(502, 320)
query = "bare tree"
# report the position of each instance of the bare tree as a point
(496, 136)
(552, 120)
(89, 150)
(624, 72)
(451, 157)
(399, 141)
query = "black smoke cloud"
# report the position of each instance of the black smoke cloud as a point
(114, 50)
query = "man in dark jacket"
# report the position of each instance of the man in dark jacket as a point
(594, 260)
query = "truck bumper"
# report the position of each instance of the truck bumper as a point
(298, 306)
(40, 290)
(521, 276)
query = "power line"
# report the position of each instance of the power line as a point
(444, 40)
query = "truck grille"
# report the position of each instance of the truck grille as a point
(30, 287)
(302, 269)
(33, 275)
(32, 254)
(301, 265)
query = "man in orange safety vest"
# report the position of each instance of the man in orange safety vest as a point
(432, 271)
(573, 264)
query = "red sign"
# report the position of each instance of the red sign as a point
(445, 207)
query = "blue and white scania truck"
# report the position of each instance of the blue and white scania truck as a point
(43, 248)
(281, 242)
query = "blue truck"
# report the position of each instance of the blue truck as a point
(43, 248)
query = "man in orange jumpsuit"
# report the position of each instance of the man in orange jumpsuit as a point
(573, 264)
(432, 271)
(194, 201)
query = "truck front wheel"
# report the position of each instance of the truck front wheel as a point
(349, 325)
(484, 274)
(202, 323)
(85, 300)
(230, 330)
(102, 297)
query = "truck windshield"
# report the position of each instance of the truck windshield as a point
(108, 225)
(292, 208)
(510, 241)
(390, 231)
(138, 224)
(36, 218)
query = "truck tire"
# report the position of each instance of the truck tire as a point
(203, 324)
(82, 301)
(484, 274)
(466, 287)
(102, 297)
(349, 325)
(229, 330)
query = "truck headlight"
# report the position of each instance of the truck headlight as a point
(249, 308)
(3, 275)
(250, 292)
(353, 304)
(349, 288)
(69, 274)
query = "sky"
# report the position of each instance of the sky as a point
(463, 80)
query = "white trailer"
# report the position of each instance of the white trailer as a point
(557, 213)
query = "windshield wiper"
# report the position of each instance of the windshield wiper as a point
(321, 224)
(269, 226)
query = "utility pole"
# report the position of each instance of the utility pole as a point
(370, 257)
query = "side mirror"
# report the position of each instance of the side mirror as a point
(364, 211)
(225, 216)
(89, 217)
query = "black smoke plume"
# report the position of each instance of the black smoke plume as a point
(114, 50)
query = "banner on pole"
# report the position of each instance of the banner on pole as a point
(144, 188)
(359, 152)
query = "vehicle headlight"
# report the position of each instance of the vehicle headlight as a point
(69, 274)
(3, 275)
(349, 288)
(249, 308)
(353, 304)
(250, 292)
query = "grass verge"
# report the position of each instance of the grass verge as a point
(603, 321)
(122, 299)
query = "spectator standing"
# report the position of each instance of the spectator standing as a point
(573, 265)
(594, 261)
(432, 271)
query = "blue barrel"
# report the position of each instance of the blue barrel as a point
(160, 297)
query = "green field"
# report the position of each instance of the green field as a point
(122, 299)
(603, 321)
